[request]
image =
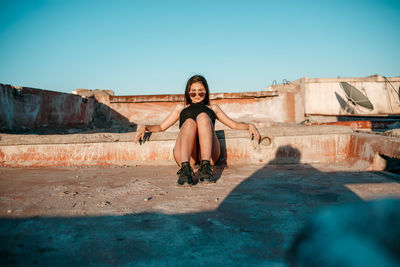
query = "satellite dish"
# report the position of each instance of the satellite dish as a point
(355, 96)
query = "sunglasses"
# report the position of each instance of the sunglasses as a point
(201, 94)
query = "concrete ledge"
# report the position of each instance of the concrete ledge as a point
(368, 150)
(298, 144)
(298, 130)
(181, 97)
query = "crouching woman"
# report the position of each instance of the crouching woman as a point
(197, 140)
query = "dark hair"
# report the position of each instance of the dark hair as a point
(196, 79)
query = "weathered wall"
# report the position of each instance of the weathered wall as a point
(257, 107)
(280, 145)
(27, 108)
(296, 144)
(367, 150)
(327, 97)
(291, 98)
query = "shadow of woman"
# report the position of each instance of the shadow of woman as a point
(265, 211)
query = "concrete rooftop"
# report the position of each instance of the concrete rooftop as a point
(135, 216)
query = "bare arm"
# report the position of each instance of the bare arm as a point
(222, 117)
(164, 125)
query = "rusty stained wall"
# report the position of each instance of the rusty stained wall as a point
(289, 150)
(281, 108)
(325, 96)
(367, 149)
(284, 149)
(356, 149)
(90, 154)
(28, 108)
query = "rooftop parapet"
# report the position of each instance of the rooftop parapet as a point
(279, 145)
(320, 100)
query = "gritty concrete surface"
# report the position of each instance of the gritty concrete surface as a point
(138, 216)
(108, 137)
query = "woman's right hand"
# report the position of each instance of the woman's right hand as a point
(140, 133)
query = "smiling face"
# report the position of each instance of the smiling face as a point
(197, 92)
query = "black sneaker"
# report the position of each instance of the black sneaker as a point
(185, 174)
(206, 172)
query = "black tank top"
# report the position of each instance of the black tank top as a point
(193, 110)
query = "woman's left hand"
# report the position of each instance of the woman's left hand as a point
(254, 132)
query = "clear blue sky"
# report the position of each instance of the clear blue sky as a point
(153, 47)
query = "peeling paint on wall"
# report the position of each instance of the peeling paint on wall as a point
(27, 108)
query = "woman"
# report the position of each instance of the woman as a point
(196, 138)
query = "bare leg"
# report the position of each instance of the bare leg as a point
(209, 144)
(185, 146)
